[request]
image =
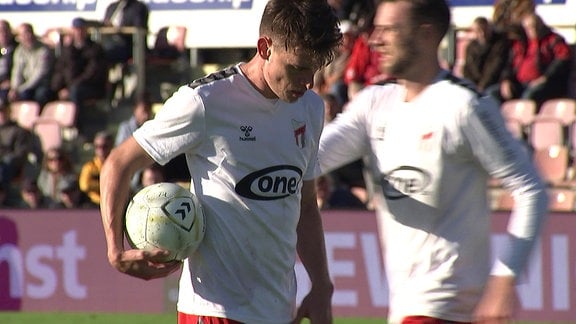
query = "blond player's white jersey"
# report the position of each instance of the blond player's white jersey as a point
(247, 156)
(431, 159)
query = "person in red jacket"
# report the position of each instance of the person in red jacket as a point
(539, 65)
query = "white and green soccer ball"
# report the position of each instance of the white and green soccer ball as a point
(166, 216)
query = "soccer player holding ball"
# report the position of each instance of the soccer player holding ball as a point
(433, 143)
(250, 134)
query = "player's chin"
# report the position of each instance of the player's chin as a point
(293, 96)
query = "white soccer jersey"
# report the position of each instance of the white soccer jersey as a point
(248, 156)
(431, 159)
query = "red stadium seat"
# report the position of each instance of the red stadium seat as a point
(545, 133)
(561, 199)
(63, 111)
(503, 200)
(50, 133)
(552, 163)
(25, 113)
(522, 110)
(562, 109)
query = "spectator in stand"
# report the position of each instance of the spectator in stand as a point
(31, 196)
(141, 112)
(507, 14)
(353, 10)
(539, 68)
(72, 197)
(7, 46)
(486, 54)
(330, 79)
(81, 71)
(330, 196)
(123, 13)
(90, 173)
(33, 63)
(15, 144)
(57, 168)
(152, 174)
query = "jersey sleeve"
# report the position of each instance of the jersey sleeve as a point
(345, 139)
(178, 127)
(504, 158)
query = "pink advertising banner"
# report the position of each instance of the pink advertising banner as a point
(55, 260)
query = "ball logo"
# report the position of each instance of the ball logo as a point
(181, 211)
(272, 183)
(405, 181)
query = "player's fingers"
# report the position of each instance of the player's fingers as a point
(157, 255)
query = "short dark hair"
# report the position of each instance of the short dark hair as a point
(481, 21)
(435, 12)
(310, 25)
(144, 99)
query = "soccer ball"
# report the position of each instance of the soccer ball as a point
(166, 216)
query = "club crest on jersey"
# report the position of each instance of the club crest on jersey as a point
(426, 141)
(378, 133)
(246, 133)
(299, 133)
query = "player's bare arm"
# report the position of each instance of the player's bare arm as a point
(311, 248)
(114, 187)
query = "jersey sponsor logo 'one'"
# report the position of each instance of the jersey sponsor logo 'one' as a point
(271, 183)
(404, 181)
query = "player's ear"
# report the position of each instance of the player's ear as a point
(264, 47)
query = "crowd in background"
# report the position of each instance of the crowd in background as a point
(514, 54)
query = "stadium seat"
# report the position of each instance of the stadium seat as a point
(552, 163)
(545, 133)
(561, 199)
(49, 132)
(515, 127)
(25, 113)
(562, 109)
(503, 200)
(62, 111)
(522, 110)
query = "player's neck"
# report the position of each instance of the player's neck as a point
(253, 71)
(417, 81)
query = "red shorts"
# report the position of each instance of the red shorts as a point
(195, 319)
(427, 320)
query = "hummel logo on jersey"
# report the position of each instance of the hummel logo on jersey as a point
(246, 132)
(299, 132)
